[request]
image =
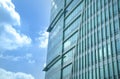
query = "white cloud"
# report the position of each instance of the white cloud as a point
(4, 74)
(43, 39)
(8, 57)
(31, 61)
(44, 65)
(28, 55)
(10, 38)
(8, 15)
(28, 58)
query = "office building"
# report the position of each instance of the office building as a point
(84, 40)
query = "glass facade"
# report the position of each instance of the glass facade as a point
(84, 40)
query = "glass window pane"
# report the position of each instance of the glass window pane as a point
(116, 26)
(86, 60)
(106, 71)
(99, 18)
(119, 66)
(99, 4)
(70, 41)
(94, 74)
(83, 28)
(93, 7)
(103, 33)
(88, 26)
(89, 58)
(90, 10)
(83, 45)
(111, 28)
(79, 63)
(110, 69)
(115, 68)
(103, 16)
(87, 1)
(97, 73)
(72, 27)
(67, 1)
(95, 38)
(83, 62)
(92, 39)
(101, 73)
(102, 1)
(118, 45)
(92, 23)
(89, 41)
(113, 48)
(93, 57)
(111, 12)
(96, 53)
(96, 21)
(109, 49)
(99, 36)
(106, 14)
(106, 2)
(67, 72)
(100, 54)
(55, 8)
(107, 30)
(105, 51)
(74, 13)
(119, 5)
(115, 8)
(67, 58)
(86, 75)
(55, 69)
(90, 74)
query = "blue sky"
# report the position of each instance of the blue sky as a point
(23, 38)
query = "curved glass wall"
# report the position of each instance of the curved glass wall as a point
(55, 69)
(56, 6)
(55, 41)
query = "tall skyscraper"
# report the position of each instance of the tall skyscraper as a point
(84, 40)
